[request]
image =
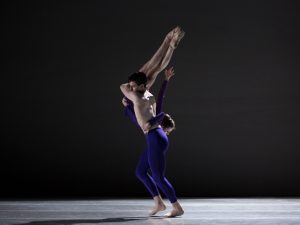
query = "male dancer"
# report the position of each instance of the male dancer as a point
(168, 125)
(165, 120)
(136, 90)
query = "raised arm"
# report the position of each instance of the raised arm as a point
(162, 92)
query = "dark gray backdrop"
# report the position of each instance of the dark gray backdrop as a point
(235, 97)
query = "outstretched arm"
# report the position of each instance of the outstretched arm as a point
(162, 92)
(159, 114)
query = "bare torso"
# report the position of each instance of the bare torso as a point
(145, 109)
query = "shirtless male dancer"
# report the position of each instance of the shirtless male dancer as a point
(137, 90)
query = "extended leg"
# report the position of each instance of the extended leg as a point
(162, 57)
(163, 64)
(158, 55)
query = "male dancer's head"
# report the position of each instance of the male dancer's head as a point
(137, 82)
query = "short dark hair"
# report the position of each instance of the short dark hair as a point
(139, 78)
(168, 122)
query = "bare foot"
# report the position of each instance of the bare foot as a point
(177, 36)
(157, 208)
(174, 212)
(171, 33)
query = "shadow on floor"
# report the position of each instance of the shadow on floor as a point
(71, 222)
(153, 220)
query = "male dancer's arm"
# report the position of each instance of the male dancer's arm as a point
(125, 88)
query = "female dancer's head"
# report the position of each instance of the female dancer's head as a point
(138, 81)
(168, 124)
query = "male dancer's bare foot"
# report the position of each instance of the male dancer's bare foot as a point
(176, 211)
(159, 206)
(177, 36)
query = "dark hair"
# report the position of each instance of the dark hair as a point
(168, 122)
(139, 78)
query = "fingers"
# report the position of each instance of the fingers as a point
(171, 69)
(124, 101)
(166, 72)
(169, 73)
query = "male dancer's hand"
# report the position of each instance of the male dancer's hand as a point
(169, 73)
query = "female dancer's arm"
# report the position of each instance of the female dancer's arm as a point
(129, 111)
(162, 92)
(159, 114)
(160, 97)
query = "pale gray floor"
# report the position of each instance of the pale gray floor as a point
(200, 211)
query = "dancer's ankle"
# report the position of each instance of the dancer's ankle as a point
(176, 205)
(158, 200)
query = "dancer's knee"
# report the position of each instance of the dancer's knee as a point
(158, 177)
(140, 174)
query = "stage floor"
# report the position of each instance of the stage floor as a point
(198, 211)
